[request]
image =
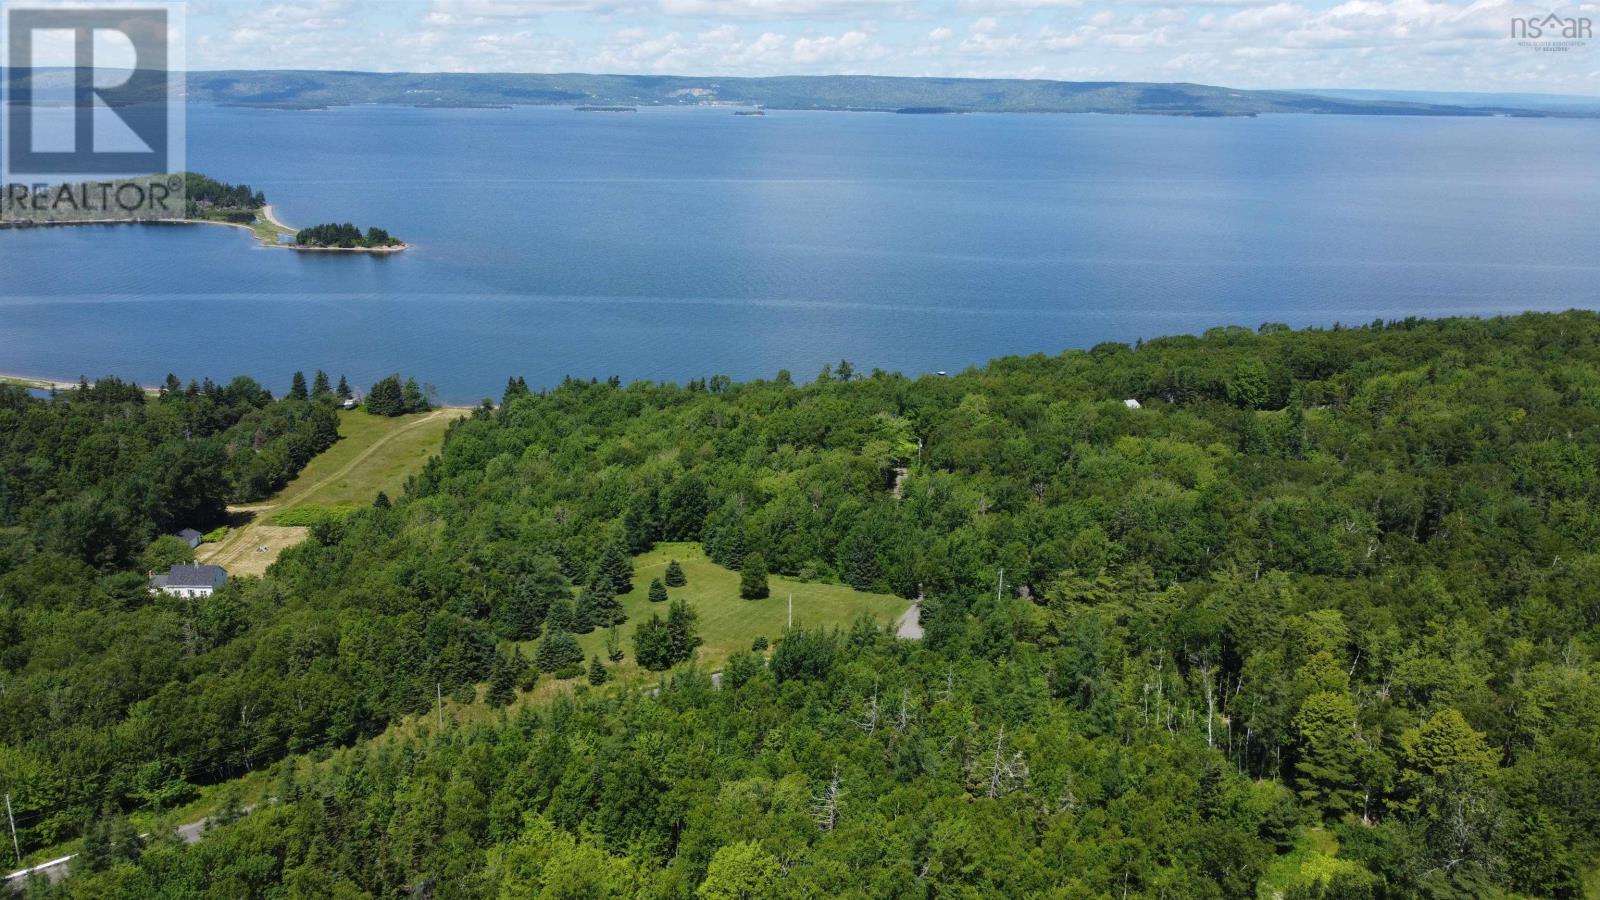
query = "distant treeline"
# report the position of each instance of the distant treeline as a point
(346, 236)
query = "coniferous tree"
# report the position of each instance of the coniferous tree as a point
(561, 614)
(682, 632)
(658, 591)
(597, 672)
(614, 565)
(412, 398)
(343, 390)
(386, 397)
(297, 387)
(558, 650)
(614, 644)
(586, 614)
(381, 501)
(503, 680)
(518, 613)
(319, 384)
(675, 576)
(603, 607)
(753, 577)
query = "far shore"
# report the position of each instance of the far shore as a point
(261, 239)
(47, 384)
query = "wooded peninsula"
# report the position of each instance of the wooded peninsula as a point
(206, 202)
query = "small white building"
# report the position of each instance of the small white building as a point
(189, 580)
(1131, 403)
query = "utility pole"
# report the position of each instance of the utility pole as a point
(791, 610)
(1000, 586)
(13, 820)
(438, 692)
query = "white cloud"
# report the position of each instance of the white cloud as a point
(778, 9)
(1431, 44)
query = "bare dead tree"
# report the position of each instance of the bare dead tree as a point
(825, 806)
(1006, 772)
(869, 721)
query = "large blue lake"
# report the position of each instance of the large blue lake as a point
(671, 244)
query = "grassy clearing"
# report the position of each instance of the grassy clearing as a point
(727, 623)
(374, 453)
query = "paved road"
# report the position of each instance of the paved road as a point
(56, 869)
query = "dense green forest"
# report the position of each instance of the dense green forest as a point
(1331, 588)
(96, 473)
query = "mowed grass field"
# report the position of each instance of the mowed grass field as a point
(373, 453)
(728, 623)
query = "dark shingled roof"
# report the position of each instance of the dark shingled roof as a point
(196, 576)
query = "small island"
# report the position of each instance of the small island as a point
(206, 201)
(345, 237)
(605, 109)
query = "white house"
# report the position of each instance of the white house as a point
(189, 580)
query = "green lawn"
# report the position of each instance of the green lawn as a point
(727, 623)
(374, 453)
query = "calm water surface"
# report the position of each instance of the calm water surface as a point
(671, 244)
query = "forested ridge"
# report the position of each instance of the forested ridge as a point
(1335, 582)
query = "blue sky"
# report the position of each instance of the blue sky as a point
(1398, 44)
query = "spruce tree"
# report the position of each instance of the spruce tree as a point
(412, 398)
(381, 501)
(586, 613)
(319, 384)
(344, 389)
(681, 630)
(558, 650)
(503, 681)
(753, 577)
(597, 672)
(658, 591)
(675, 576)
(386, 398)
(519, 612)
(615, 566)
(560, 615)
(297, 386)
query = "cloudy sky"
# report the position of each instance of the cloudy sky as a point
(1399, 44)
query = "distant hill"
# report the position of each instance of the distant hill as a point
(314, 89)
(1563, 103)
